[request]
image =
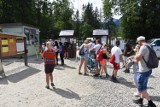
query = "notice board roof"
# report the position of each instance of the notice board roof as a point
(12, 34)
(66, 33)
(100, 32)
(16, 24)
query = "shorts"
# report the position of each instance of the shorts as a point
(116, 66)
(48, 68)
(142, 80)
(103, 62)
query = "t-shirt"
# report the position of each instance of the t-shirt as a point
(142, 65)
(117, 52)
(91, 46)
(97, 48)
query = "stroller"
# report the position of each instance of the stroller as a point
(91, 64)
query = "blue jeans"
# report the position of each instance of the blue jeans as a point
(142, 80)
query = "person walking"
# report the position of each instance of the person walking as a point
(49, 56)
(103, 62)
(84, 58)
(56, 48)
(127, 52)
(143, 73)
(97, 48)
(117, 53)
(61, 52)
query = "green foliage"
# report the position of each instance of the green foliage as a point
(90, 20)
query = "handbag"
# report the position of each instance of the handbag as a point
(112, 59)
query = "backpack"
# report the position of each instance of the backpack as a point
(153, 61)
(81, 51)
(99, 55)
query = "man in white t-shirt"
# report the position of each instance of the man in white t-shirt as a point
(96, 48)
(91, 46)
(117, 52)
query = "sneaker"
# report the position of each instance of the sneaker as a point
(151, 104)
(100, 76)
(96, 75)
(47, 86)
(139, 102)
(136, 94)
(113, 79)
(107, 75)
(52, 84)
(85, 74)
(80, 73)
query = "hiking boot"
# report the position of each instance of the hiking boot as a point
(52, 84)
(151, 104)
(47, 86)
(139, 102)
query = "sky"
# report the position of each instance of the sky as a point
(96, 3)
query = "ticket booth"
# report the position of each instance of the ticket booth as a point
(68, 36)
(101, 34)
(12, 44)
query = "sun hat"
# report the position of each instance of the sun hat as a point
(140, 38)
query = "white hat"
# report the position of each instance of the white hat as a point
(140, 38)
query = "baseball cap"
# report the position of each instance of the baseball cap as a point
(140, 38)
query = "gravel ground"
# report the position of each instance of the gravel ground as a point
(24, 87)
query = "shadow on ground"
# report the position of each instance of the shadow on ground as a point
(155, 98)
(66, 93)
(123, 81)
(23, 73)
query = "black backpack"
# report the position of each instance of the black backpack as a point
(153, 61)
(81, 51)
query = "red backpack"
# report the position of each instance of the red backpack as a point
(99, 55)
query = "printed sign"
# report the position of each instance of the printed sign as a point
(63, 40)
(4, 42)
(11, 40)
(4, 49)
(20, 47)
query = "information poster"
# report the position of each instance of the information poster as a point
(4, 42)
(4, 49)
(63, 40)
(20, 45)
(71, 40)
(11, 40)
(103, 39)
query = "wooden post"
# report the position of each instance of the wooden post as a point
(1, 67)
(25, 52)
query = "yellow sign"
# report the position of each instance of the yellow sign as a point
(4, 42)
(4, 49)
(11, 40)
